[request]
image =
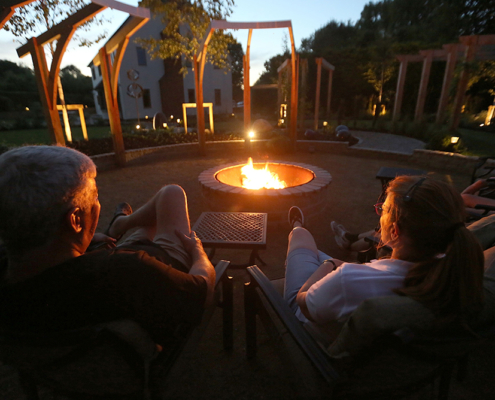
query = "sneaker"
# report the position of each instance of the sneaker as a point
(342, 242)
(340, 237)
(295, 214)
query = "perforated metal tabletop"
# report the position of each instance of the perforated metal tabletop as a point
(232, 229)
(238, 230)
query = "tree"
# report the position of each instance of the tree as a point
(32, 19)
(78, 87)
(17, 86)
(236, 57)
(185, 24)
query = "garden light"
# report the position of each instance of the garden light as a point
(325, 123)
(165, 125)
(27, 108)
(454, 139)
(251, 134)
(138, 126)
(178, 120)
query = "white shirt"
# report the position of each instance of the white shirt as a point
(338, 294)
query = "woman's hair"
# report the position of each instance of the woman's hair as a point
(38, 186)
(447, 276)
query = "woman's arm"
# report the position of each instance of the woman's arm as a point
(322, 271)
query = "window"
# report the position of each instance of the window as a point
(99, 70)
(141, 56)
(218, 97)
(146, 98)
(93, 72)
(191, 96)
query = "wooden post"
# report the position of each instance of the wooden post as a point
(247, 92)
(83, 122)
(200, 112)
(470, 42)
(304, 79)
(399, 91)
(48, 100)
(425, 77)
(329, 93)
(112, 108)
(294, 91)
(317, 98)
(447, 80)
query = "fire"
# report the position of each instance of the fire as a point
(260, 178)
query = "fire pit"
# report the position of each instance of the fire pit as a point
(305, 186)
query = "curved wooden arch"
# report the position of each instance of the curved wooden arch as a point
(62, 33)
(199, 64)
(8, 7)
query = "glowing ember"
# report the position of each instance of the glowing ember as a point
(260, 178)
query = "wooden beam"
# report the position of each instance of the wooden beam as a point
(247, 90)
(399, 91)
(294, 90)
(8, 7)
(329, 92)
(471, 44)
(112, 108)
(284, 65)
(223, 24)
(318, 61)
(451, 50)
(72, 22)
(423, 85)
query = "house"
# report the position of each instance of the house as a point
(164, 89)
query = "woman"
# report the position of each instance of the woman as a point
(435, 259)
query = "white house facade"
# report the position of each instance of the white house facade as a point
(164, 89)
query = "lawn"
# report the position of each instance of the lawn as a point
(478, 143)
(41, 136)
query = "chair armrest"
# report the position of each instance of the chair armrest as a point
(485, 207)
(220, 269)
(311, 349)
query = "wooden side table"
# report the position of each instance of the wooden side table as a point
(234, 230)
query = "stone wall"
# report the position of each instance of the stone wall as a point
(426, 159)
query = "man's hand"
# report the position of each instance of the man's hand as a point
(201, 265)
(110, 242)
(192, 244)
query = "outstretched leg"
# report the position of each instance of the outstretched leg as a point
(158, 220)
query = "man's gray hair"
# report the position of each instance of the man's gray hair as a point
(38, 186)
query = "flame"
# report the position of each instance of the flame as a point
(260, 178)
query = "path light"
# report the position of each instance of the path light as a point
(146, 117)
(454, 139)
(178, 120)
(251, 134)
(165, 125)
(171, 117)
(482, 124)
(27, 108)
(325, 123)
(138, 126)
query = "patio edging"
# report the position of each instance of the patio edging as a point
(438, 160)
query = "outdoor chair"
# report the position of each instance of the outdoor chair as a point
(383, 350)
(114, 360)
(484, 169)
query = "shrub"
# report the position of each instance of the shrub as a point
(280, 144)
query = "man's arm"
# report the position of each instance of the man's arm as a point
(201, 265)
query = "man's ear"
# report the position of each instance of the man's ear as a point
(395, 231)
(74, 219)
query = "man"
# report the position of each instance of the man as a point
(159, 277)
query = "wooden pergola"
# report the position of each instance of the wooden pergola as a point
(470, 48)
(320, 62)
(8, 7)
(199, 64)
(46, 78)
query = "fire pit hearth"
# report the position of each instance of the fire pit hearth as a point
(306, 187)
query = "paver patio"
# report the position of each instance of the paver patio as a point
(211, 372)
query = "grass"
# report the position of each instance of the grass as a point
(41, 136)
(478, 143)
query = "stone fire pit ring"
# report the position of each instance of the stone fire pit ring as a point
(311, 196)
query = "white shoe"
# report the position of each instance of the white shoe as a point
(340, 238)
(295, 214)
